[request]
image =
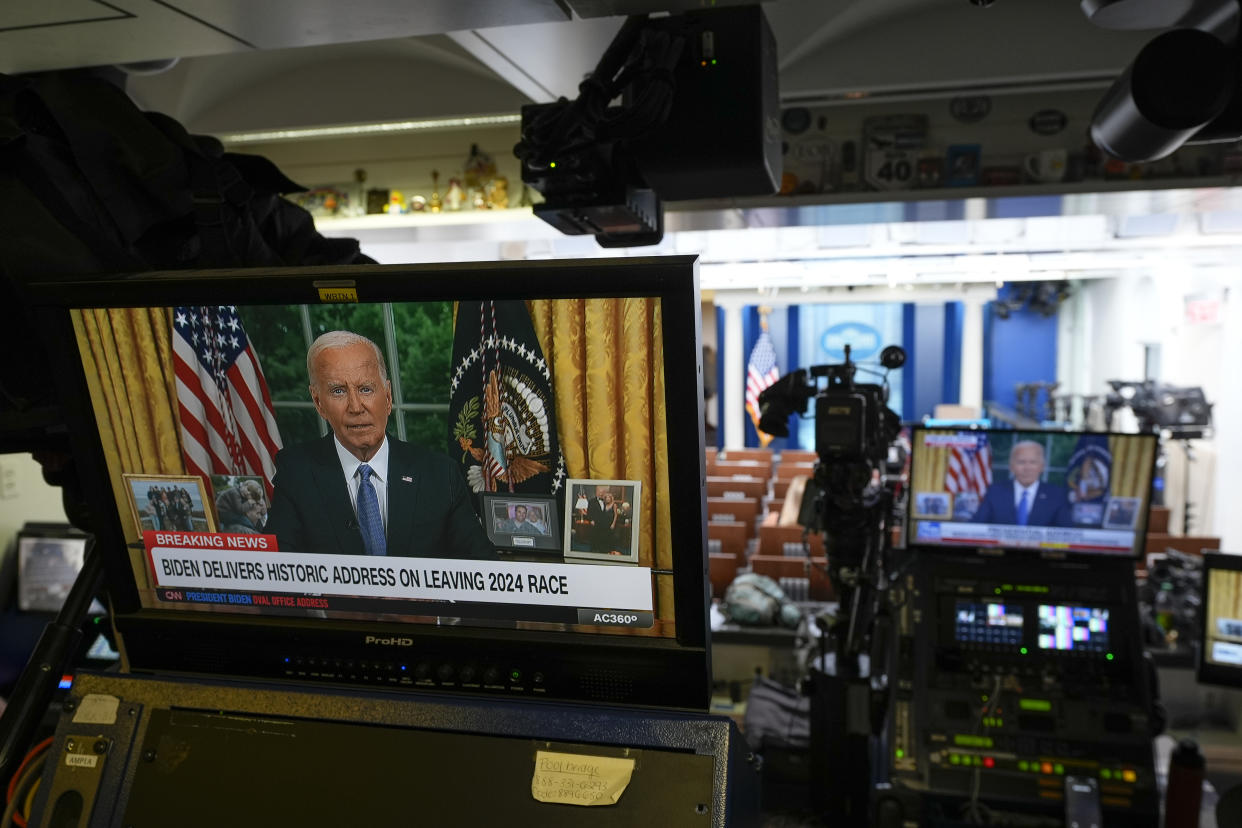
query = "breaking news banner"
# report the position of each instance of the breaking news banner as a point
(1041, 537)
(214, 562)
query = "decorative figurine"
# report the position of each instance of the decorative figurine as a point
(434, 203)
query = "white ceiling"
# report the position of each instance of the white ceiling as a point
(254, 64)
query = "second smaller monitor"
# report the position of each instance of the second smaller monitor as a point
(1051, 491)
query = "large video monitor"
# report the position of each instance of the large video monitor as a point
(1052, 491)
(1220, 657)
(493, 483)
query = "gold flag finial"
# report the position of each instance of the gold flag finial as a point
(764, 310)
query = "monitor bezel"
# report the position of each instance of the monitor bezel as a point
(669, 672)
(1138, 552)
(1208, 673)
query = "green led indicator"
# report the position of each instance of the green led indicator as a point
(998, 590)
(955, 759)
(1038, 705)
(553, 165)
(970, 740)
(1109, 656)
(1060, 769)
(1105, 773)
(515, 675)
(1022, 766)
(1023, 651)
(900, 753)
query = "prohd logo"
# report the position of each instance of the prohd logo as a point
(389, 642)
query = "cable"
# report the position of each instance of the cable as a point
(32, 772)
(974, 811)
(28, 805)
(34, 751)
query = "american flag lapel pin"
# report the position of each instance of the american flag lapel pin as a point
(406, 478)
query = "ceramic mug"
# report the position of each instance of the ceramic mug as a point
(1048, 165)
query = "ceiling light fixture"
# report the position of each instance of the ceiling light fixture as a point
(263, 136)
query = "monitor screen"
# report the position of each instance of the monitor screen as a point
(1073, 629)
(988, 623)
(1052, 491)
(422, 455)
(1220, 660)
(47, 565)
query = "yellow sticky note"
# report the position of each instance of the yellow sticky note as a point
(578, 779)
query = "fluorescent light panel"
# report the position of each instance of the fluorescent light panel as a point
(354, 130)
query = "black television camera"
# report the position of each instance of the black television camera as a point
(847, 499)
(854, 428)
(1184, 411)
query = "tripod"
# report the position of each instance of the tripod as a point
(845, 717)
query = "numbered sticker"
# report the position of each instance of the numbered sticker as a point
(891, 170)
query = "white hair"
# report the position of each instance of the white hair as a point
(1037, 446)
(341, 339)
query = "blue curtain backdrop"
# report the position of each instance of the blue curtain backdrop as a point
(783, 326)
(806, 335)
(824, 331)
(1020, 349)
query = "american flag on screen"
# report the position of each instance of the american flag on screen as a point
(761, 372)
(969, 470)
(227, 422)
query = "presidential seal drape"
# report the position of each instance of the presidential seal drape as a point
(127, 357)
(502, 416)
(607, 359)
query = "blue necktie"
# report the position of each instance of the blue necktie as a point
(369, 521)
(1024, 507)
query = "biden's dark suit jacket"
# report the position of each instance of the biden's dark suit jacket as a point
(429, 510)
(1051, 506)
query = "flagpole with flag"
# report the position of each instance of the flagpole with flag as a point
(228, 425)
(761, 371)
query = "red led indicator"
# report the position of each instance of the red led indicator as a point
(989, 762)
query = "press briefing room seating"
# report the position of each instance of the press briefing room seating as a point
(798, 456)
(772, 540)
(721, 570)
(786, 471)
(762, 455)
(746, 486)
(743, 509)
(732, 536)
(740, 468)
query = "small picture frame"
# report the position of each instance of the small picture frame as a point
(1121, 512)
(47, 566)
(933, 505)
(240, 503)
(168, 503)
(602, 520)
(522, 522)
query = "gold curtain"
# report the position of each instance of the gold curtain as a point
(1226, 602)
(127, 357)
(1132, 458)
(930, 467)
(607, 359)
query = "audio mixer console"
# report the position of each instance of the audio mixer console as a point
(1008, 677)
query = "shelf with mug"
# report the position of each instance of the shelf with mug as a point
(1104, 186)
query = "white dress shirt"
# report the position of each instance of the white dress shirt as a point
(1017, 495)
(379, 476)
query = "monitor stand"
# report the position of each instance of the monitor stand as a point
(148, 751)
